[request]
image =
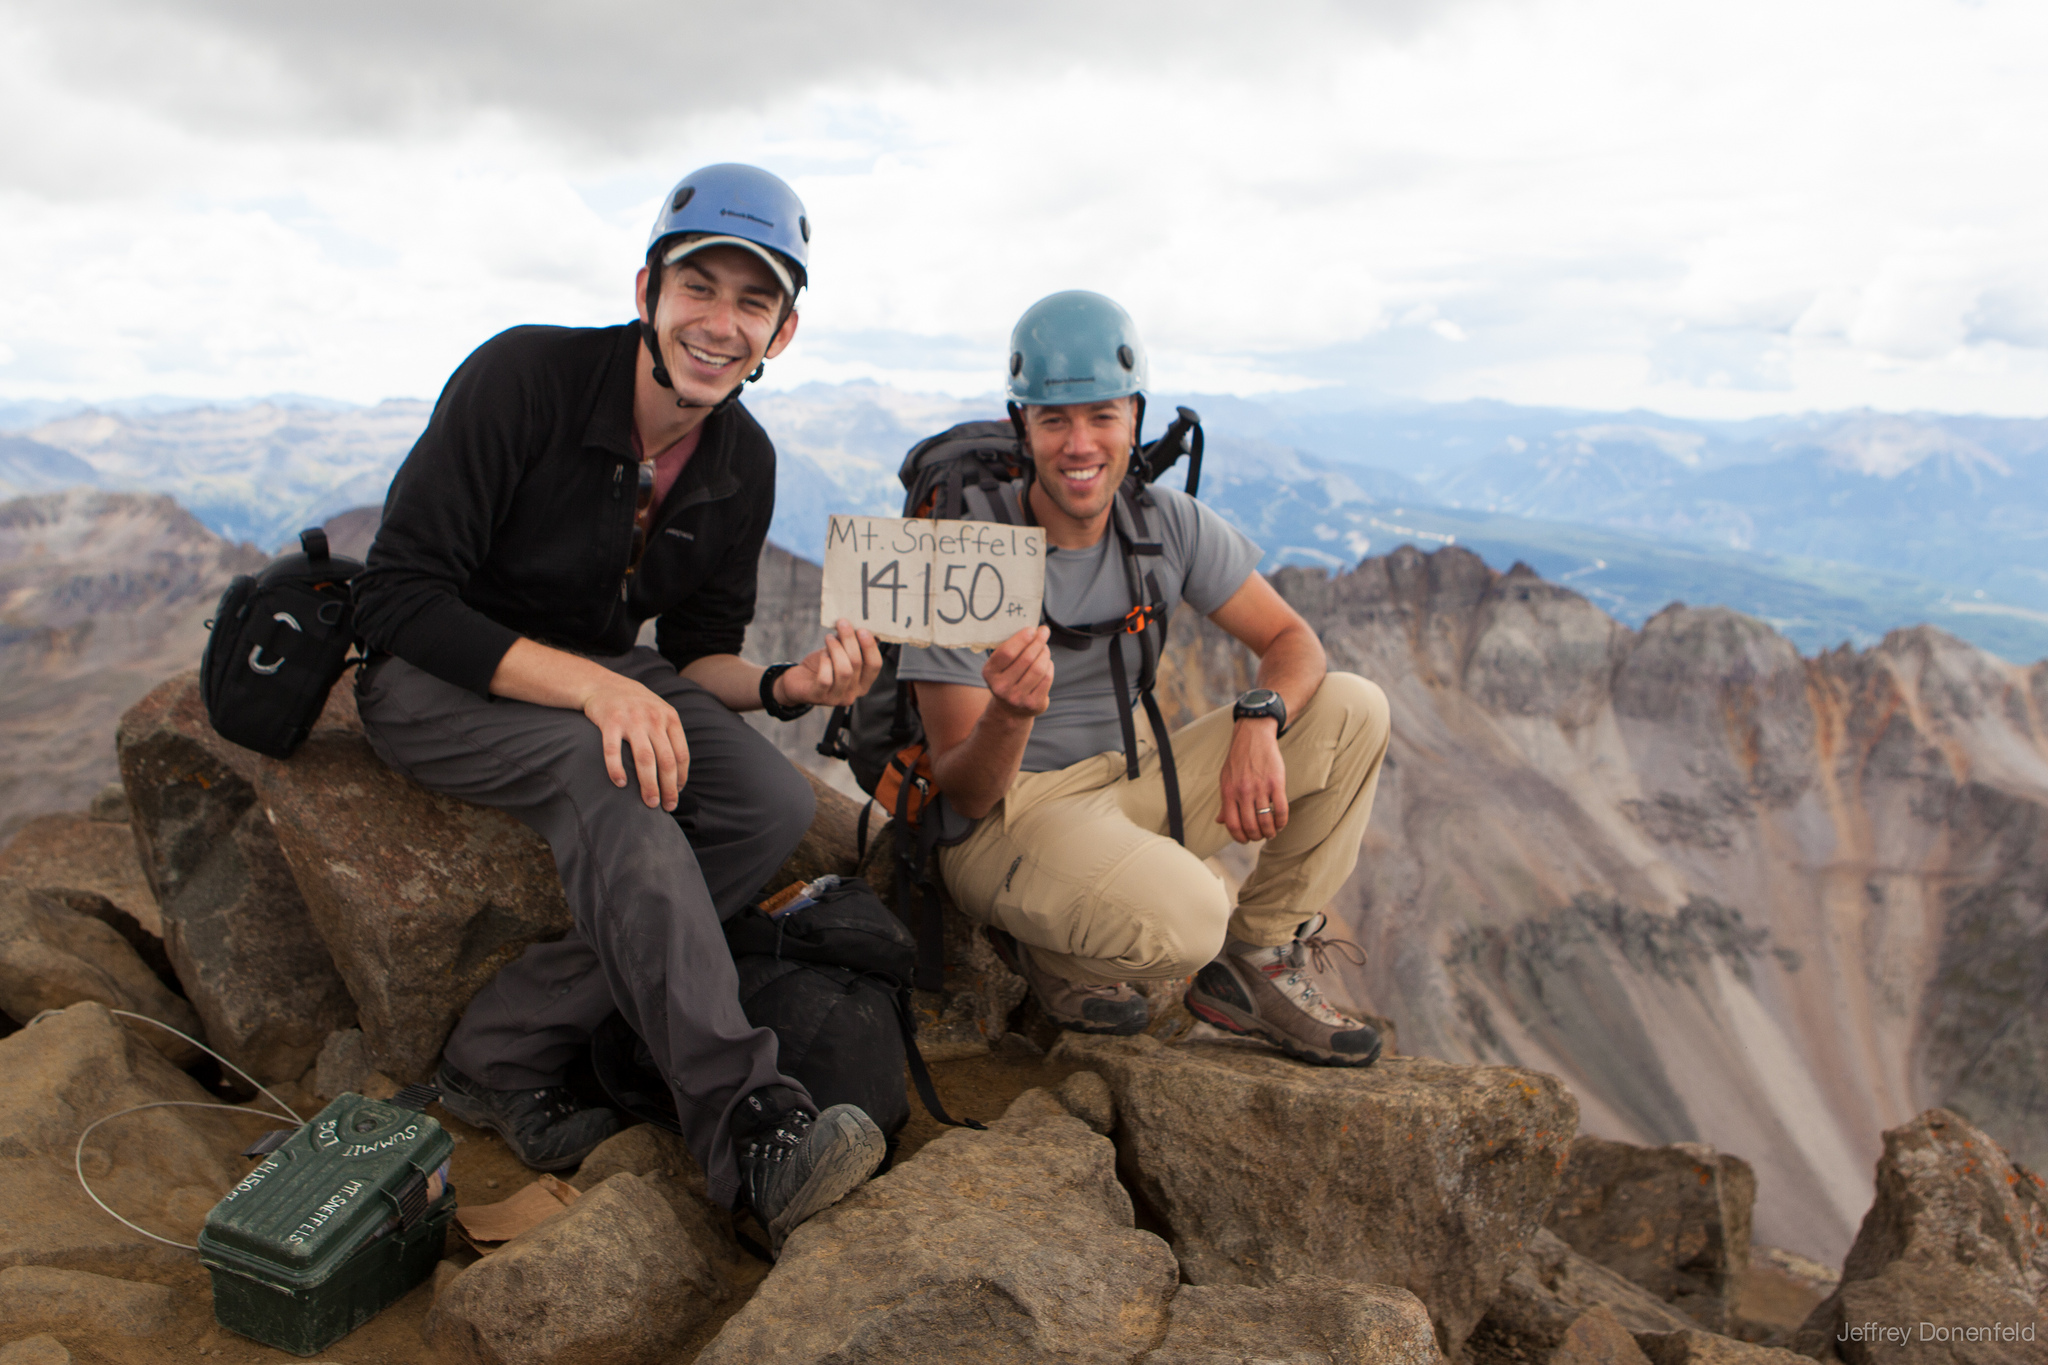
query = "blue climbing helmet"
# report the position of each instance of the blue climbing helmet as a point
(729, 205)
(1075, 347)
(734, 205)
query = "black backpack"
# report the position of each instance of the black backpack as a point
(830, 975)
(880, 735)
(280, 641)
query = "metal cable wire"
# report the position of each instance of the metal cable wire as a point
(78, 1152)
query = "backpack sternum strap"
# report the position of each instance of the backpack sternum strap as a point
(1122, 682)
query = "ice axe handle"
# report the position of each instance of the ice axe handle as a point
(1183, 437)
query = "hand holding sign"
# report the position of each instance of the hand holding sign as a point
(836, 673)
(954, 584)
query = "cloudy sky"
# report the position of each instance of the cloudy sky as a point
(1731, 208)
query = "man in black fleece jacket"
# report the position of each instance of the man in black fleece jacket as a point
(571, 484)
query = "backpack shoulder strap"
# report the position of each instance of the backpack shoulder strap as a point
(1138, 543)
(1147, 620)
(987, 498)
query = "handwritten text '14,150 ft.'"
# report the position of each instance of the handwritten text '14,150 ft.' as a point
(956, 584)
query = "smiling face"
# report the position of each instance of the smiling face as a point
(1082, 451)
(716, 316)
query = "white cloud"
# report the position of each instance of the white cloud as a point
(1723, 209)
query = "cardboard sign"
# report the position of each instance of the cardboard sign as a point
(956, 584)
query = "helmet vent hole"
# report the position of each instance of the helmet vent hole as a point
(1016, 362)
(1124, 357)
(683, 197)
(803, 225)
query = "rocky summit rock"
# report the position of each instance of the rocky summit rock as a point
(1087, 1097)
(51, 956)
(1705, 1348)
(35, 1350)
(1551, 1288)
(610, 1280)
(162, 1168)
(1781, 1289)
(419, 897)
(1411, 1172)
(79, 1301)
(1302, 1320)
(343, 1064)
(658, 1157)
(110, 805)
(234, 923)
(1957, 1240)
(1597, 1338)
(1674, 1219)
(829, 846)
(1084, 1095)
(1011, 1245)
(83, 860)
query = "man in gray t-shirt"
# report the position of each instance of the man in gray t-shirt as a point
(1204, 560)
(1070, 864)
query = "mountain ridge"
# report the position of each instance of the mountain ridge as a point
(1833, 526)
(1728, 891)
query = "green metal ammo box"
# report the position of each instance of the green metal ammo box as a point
(343, 1219)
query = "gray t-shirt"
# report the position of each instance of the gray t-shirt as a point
(1205, 560)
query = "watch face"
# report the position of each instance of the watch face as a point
(1257, 697)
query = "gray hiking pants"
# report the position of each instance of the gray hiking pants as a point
(648, 890)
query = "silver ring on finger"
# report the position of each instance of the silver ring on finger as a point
(1263, 810)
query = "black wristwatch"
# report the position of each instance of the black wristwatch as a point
(1260, 702)
(768, 702)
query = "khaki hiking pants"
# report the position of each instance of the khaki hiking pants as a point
(1077, 862)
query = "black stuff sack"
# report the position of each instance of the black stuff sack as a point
(827, 974)
(828, 968)
(280, 640)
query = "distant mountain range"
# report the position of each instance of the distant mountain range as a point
(255, 472)
(102, 596)
(1834, 528)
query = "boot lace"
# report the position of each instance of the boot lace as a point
(1286, 971)
(1319, 947)
(763, 1154)
(555, 1103)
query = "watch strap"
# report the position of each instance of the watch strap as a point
(768, 702)
(1274, 707)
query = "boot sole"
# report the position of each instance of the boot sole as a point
(1212, 1011)
(856, 1149)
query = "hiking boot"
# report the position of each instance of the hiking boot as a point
(1269, 993)
(1085, 1009)
(545, 1127)
(798, 1164)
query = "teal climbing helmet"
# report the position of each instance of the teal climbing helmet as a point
(1075, 347)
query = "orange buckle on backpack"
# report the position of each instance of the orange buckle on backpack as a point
(911, 764)
(1139, 619)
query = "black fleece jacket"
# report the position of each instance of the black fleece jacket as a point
(513, 515)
